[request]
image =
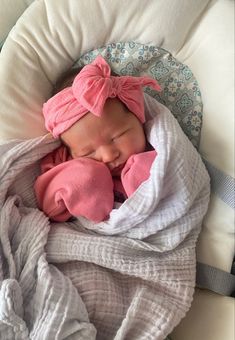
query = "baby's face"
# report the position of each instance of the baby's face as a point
(111, 138)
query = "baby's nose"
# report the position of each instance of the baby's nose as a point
(108, 153)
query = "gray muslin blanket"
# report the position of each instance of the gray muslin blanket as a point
(131, 277)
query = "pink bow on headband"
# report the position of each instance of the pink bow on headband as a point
(89, 92)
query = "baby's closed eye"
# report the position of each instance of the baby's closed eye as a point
(76, 154)
(88, 154)
(119, 135)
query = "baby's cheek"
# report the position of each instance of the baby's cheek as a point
(73, 154)
(131, 143)
(139, 144)
(135, 147)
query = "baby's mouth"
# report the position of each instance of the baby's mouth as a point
(117, 170)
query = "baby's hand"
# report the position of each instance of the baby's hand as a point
(137, 170)
(79, 187)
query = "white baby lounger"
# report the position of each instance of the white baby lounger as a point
(46, 40)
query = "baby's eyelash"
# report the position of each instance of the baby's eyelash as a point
(119, 135)
(116, 137)
(86, 154)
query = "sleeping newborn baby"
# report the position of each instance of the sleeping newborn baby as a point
(99, 119)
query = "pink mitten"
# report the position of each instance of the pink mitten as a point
(78, 187)
(137, 170)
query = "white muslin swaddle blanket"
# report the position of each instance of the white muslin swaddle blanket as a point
(130, 277)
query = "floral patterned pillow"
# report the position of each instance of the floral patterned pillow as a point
(180, 90)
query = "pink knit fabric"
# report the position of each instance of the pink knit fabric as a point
(137, 170)
(78, 187)
(88, 93)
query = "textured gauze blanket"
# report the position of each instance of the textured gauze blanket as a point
(131, 277)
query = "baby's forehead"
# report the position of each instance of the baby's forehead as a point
(113, 118)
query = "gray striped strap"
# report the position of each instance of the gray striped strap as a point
(215, 279)
(222, 184)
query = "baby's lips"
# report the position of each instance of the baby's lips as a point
(117, 170)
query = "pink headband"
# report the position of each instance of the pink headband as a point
(88, 93)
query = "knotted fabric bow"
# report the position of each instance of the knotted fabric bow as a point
(89, 92)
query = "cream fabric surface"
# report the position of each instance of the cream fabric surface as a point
(211, 57)
(209, 52)
(211, 317)
(10, 11)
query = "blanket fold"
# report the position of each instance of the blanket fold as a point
(130, 277)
